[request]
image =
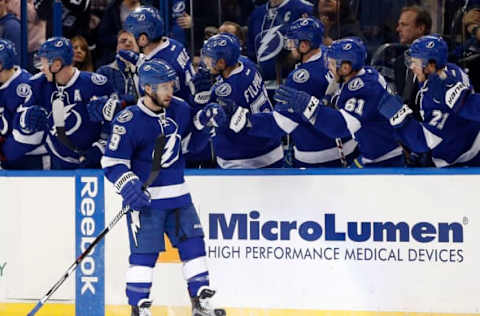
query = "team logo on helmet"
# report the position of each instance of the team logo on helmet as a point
(355, 84)
(2, 47)
(223, 90)
(301, 76)
(141, 17)
(24, 90)
(147, 68)
(222, 43)
(269, 44)
(347, 46)
(431, 44)
(98, 79)
(58, 43)
(304, 22)
(287, 16)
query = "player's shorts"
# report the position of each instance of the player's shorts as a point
(146, 229)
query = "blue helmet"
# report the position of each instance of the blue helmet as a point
(429, 48)
(224, 47)
(57, 48)
(154, 72)
(350, 50)
(8, 54)
(145, 20)
(307, 29)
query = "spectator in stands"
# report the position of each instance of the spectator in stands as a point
(75, 18)
(82, 57)
(414, 22)
(338, 18)
(119, 73)
(468, 55)
(235, 29)
(109, 28)
(9, 26)
(36, 30)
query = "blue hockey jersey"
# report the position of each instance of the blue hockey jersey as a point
(130, 148)
(266, 28)
(76, 94)
(312, 148)
(243, 88)
(22, 149)
(358, 116)
(175, 54)
(451, 116)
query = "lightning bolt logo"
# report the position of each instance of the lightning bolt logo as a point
(135, 225)
(268, 37)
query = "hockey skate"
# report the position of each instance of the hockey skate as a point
(143, 308)
(201, 304)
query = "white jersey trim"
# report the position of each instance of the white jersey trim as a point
(466, 156)
(67, 159)
(326, 155)
(391, 154)
(353, 124)
(110, 161)
(431, 139)
(168, 191)
(285, 123)
(34, 139)
(253, 163)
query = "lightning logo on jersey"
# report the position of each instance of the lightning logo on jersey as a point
(269, 43)
(135, 225)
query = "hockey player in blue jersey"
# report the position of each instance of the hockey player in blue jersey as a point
(147, 26)
(21, 148)
(241, 90)
(167, 206)
(311, 147)
(450, 110)
(62, 93)
(267, 26)
(357, 99)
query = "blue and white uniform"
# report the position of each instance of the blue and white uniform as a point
(75, 94)
(23, 149)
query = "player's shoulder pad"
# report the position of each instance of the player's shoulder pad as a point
(223, 89)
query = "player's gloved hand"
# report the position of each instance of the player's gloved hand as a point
(103, 108)
(416, 160)
(91, 159)
(34, 119)
(130, 188)
(129, 57)
(392, 108)
(212, 115)
(290, 99)
(200, 85)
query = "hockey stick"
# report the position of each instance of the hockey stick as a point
(156, 167)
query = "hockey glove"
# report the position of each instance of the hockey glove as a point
(392, 108)
(130, 188)
(103, 108)
(91, 159)
(200, 85)
(291, 99)
(34, 119)
(130, 58)
(212, 115)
